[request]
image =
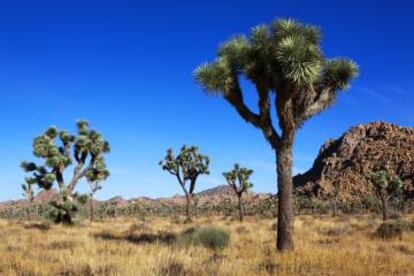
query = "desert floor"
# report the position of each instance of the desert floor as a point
(323, 246)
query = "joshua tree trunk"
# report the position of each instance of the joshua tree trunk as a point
(91, 206)
(189, 210)
(384, 209)
(241, 215)
(284, 184)
(195, 210)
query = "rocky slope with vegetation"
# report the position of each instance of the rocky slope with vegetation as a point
(347, 163)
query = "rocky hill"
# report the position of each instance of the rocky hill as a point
(349, 162)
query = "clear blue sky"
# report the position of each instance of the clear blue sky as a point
(127, 67)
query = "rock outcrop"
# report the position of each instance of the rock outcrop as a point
(347, 163)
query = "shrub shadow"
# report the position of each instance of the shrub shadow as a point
(38, 226)
(144, 238)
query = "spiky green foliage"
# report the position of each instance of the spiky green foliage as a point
(59, 149)
(211, 237)
(187, 166)
(64, 211)
(238, 179)
(284, 58)
(386, 187)
(27, 187)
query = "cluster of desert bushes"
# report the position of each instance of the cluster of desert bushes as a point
(263, 208)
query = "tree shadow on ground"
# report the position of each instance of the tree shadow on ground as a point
(162, 237)
(38, 226)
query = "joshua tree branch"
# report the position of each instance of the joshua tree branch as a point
(79, 173)
(262, 120)
(235, 98)
(322, 98)
(265, 119)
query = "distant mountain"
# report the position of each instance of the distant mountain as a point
(221, 190)
(46, 195)
(117, 200)
(212, 195)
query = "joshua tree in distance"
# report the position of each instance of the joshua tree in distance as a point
(55, 148)
(285, 63)
(385, 187)
(187, 166)
(27, 187)
(94, 178)
(238, 179)
(94, 186)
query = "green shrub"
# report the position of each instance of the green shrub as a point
(173, 268)
(211, 237)
(389, 230)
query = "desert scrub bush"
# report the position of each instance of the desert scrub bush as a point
(172, 268)
(212, 237)
(337, 231)
(61, 245)
(42, 226)
(390, 230)
(268, 266)
(177, 220)
(242, 230)
(138, 227)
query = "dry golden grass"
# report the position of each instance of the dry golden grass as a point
(324, 246)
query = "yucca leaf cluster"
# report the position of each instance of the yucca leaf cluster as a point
(187, 165)
(239, 179)
(285, 58)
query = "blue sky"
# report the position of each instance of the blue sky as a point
(126, 66)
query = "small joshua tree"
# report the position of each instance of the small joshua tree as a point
(238, 179)
(187, 166)
(94, 178)
(58, 149)
(385, 187)
(28, 194)
(285, 63)
(27, 187)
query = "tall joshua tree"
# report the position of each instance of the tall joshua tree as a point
(238, 179)
(285, 63)
(385, 187)
(57, 148)
(187, 166)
